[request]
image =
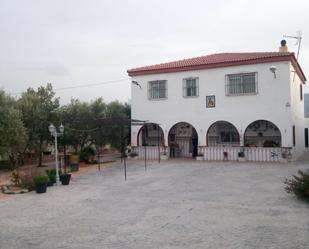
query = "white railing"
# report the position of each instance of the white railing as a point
(151, 152)
(228, 153)
(253, 154)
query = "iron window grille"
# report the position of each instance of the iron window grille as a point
(190, 87)
(241, 84)
(157, 89)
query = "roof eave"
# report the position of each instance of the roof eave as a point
(289, 57)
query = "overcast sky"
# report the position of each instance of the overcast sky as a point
(80, 42)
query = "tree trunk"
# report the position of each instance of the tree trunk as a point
(12, 161)
(40, 154)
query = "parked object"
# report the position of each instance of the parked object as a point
(40, 183)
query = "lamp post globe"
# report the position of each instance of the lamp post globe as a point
(51, 129)
(61, 128)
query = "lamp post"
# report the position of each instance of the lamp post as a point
(53, 131)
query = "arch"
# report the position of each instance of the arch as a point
(222, 133)
(183, 140)
(150, 134)
(262, 133)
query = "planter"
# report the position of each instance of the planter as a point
(41, 188)
(65, 179)
(74, 167)
(82, 164)
(199, 158)
(163, 157)
(241, 159)
(50, 184)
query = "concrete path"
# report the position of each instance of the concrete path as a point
(177, 204)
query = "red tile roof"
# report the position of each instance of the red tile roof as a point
(219, 60)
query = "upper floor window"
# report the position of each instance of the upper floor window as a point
(190, 87)
(244, 83)
(157, 89)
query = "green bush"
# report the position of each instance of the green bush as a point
(51, 173)
(42, 179)
(298, 184)
(24, 179)
(86, 154)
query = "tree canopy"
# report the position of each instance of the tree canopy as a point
(24, 122)
(13, 134)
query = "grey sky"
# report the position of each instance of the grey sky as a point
(77, 42)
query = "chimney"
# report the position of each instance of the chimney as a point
(283, 47)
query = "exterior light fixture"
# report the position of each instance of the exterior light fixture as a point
(273, 69)
(53, 131)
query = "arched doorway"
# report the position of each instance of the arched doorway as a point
(262, 133)
(150, 135)
(222, 133)
(183, 140)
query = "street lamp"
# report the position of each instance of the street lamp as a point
(53, 131)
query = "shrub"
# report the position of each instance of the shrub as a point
(41, 179)
(26, 179)
(15, 178)
(52, 172)
(86, 154)
(298, 184)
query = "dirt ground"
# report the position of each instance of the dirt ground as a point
(5, 174)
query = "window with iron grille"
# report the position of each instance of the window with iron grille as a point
(157, 89)
(190, 87)
(241, 84)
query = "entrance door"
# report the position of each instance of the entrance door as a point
(194, 147)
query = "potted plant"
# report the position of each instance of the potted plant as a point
(65, 178)
(40, 183)
(200, 156)
(241, 156)
(51, 174)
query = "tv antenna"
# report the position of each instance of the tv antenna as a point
(298, 37)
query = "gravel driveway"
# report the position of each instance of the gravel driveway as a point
(175, 204)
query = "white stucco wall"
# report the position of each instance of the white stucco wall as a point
(297, 114)
(269, 104)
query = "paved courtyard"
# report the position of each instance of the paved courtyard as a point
(177, 204)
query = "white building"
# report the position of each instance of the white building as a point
(221, 104)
